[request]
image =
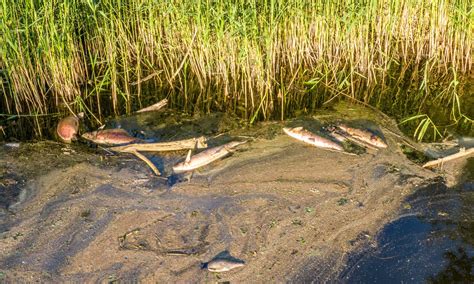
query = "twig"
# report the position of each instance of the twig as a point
(154, 107)
(199, 142)
(148, 162)
(106, 150)
(460, 154)
(405, 140)
(145, 79)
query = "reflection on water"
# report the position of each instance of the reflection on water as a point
(458, 269)
(432, 241)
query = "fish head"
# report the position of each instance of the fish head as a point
(377, 141)
(89, 135)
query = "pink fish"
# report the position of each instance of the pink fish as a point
(110, 137)
(67, 128)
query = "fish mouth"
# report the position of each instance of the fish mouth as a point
(204, 265)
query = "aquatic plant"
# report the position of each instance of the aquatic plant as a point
(259, 59)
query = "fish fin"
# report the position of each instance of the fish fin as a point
(190, 176)
(188, 157)
(298, 128)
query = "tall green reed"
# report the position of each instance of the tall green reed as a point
(260, 59)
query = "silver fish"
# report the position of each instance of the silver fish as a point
(363, 135)
(311, 138)
(342, 136)
(335, 134)
(205, 157)
(222, 264)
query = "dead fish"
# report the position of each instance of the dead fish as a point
(110, 137)
(222, 264)
(67, 128)
(336, 135)
(205, 157)
(363, 135)
(344, 137)
(311, 138)
(13, 145)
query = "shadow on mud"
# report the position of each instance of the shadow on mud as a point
(432, 240)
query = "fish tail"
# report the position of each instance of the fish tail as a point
(203, 265)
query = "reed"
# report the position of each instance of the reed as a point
(262, 59)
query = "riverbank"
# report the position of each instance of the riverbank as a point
(81, 214)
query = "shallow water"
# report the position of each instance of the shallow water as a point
(432, 240)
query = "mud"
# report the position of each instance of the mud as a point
(432, 240)
(292, 212)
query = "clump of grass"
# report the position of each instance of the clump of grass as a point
(258, 59)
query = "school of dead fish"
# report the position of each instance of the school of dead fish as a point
(67, 131)
(68, 127)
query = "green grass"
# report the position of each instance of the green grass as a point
(259, 59)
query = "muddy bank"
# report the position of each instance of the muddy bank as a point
(432, 240)
(290, 211)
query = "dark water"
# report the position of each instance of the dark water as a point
(432, 241)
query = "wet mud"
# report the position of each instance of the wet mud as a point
(292, 212)
(432, 240)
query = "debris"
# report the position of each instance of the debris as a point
(159, 105)
(199, 142)
(462, 153)
(148, 162)
(192, 143)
